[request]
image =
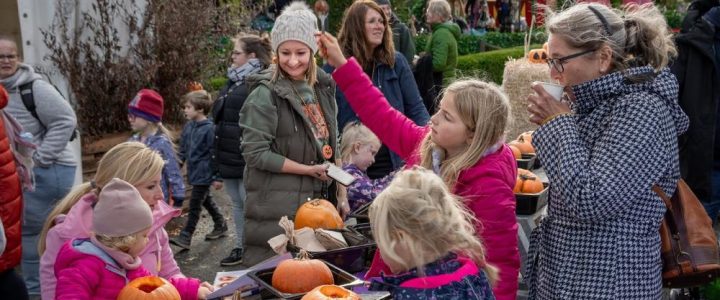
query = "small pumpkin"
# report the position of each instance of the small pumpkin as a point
(328, 292)
(537, 56)
(301, 274)
(318, 213)
(516, 152)
(527, 183)
(195, 86)
(523, 146)
(525, 137)
(149, 287)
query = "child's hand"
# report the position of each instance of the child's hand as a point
(330, 49)
(204, 290)
(218, 185)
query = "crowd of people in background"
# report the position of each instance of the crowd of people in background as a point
(427, 150)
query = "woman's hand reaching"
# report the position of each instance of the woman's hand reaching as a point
(330, 49)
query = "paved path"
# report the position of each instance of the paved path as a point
(203, 259)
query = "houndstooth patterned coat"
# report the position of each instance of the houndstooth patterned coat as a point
(600, 238)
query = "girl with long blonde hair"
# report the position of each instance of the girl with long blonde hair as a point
(463, 144)
(72, 216)
(428, 240)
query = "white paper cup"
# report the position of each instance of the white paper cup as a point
(555, 90)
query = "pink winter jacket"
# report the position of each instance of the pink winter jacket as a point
(486, 187)
(86, 272)
(157, 257)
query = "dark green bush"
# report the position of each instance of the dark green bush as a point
(469, 44)
(488, 65)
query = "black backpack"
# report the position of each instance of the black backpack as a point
(26, 93)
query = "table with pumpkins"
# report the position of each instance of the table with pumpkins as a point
(328, 257)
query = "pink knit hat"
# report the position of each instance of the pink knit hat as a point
(147, 104)
(120, 210)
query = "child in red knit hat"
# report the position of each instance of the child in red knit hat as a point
(145, 113)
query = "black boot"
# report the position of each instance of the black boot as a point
(217, 232)
(235, 258)
(183, 240)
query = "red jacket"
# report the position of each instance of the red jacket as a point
(10, 198)
(486, 187)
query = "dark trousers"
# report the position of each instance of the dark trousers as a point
(12, 286)
(200, 198)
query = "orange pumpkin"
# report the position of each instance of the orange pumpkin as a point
(527, 183)
(329, 292)
(537, 56)
(301, 275)
(516, 152)
(318, 213)
(149, 287)
(195, 86)
(525, 137)
(523, 146)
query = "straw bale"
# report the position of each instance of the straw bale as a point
(517, 77)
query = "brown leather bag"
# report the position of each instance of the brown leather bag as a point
(689, 247)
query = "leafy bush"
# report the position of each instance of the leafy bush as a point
(469, 44)
(673, 18)
(488, 65)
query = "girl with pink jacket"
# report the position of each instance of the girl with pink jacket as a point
(463, 144)
(72, 217)
(99, 267)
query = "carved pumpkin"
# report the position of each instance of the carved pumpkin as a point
(318, 213)
(537, 56)
(527, 183)
(195, 86)
(330, 292)
(301, 275)
(516, 152)
(149, 287)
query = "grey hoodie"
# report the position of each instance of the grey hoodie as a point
(54, 111)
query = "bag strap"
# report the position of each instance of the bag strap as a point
(26, 93)
(659, 191)
(669, 217)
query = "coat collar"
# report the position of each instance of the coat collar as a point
(593, 93)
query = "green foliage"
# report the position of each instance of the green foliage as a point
(673, 18)
(217, 83)
(489, 65)
(469, 44)
(337, 11)
(711, 290)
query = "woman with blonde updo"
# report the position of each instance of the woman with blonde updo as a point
(612, 138)
(72, 217)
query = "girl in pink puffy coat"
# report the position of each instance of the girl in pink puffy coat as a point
(99, 267)
(463, 144)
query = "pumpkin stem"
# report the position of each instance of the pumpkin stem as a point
(527, 177)
(303, 255)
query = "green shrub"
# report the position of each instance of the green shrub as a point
(217, 83)
(488, 65)
(673, 18)
(469, 44)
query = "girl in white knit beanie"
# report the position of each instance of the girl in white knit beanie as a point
(289, 133)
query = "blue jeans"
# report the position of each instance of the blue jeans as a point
(51, 185)
(236, 190)
(713, 207)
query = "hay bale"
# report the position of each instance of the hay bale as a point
(517, 77)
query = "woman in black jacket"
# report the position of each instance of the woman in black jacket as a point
(250, 55)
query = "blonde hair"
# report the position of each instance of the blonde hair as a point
(130, 161)
(353, 133)
(637, 35)
(200, 100)
(440, 8)
(485, 111)
(122, 243)
(310, 73)
(432, 222)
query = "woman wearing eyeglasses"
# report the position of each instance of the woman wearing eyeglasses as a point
(603, 147)
(250, 55)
